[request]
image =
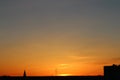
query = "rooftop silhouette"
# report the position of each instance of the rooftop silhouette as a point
(111, 72)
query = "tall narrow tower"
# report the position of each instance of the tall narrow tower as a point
(24, 74)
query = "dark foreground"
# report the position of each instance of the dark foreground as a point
(54, 78)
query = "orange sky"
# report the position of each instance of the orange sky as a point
(56, 37)
(41, 57)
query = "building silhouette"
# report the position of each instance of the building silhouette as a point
(112, 72)
(24, 74)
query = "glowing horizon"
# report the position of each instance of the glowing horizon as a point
(49, 37)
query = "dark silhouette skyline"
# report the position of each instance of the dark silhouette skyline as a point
(79, 33)
(58, 38)
(24, 74)
(111, 72)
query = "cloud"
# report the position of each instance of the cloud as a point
(107, 61)
(94, 60)
(79, 57)
(117, 59)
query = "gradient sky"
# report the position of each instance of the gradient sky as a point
(76, 37)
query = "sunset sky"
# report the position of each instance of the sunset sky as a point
(57, 37)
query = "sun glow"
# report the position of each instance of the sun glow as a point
(64, 74)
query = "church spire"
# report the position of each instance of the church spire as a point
(24, 74)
